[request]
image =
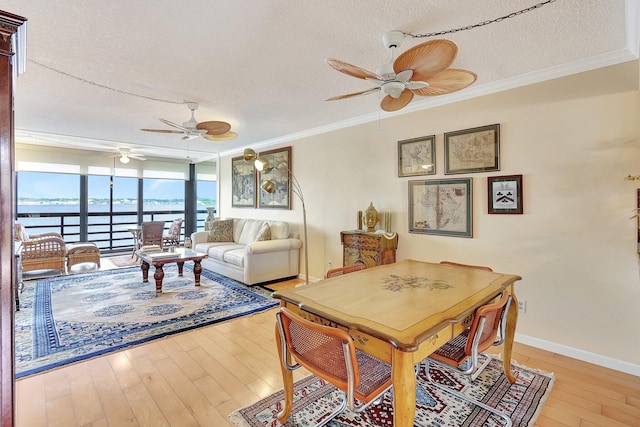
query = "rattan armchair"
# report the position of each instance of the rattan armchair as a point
(45, 251)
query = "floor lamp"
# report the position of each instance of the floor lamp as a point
(268, 186)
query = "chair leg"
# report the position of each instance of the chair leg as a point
(336, 412)
(505, 417)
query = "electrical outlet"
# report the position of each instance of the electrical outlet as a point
(522, 306)
(329, 265)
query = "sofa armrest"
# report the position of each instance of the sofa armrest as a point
(199, 237)
(277, 245)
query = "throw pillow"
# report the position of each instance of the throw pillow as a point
(264, 233)
(221, 231)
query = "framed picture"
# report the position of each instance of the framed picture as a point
(472, 150)
(278, 173)
(505, 194)
(441, 206)
(417, 156)
(243, 183)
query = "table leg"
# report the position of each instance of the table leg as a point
(158, 275)
(512, 320)
(145, 271)
(197, 269)
(404, 388)
(180, 267)
(287, 379)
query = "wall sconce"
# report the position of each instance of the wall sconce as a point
(269, 187)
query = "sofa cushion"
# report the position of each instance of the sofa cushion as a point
(235, 257)
(264, 233)
(250, 231)
(218, 252)
(221, 231)
(279, 229)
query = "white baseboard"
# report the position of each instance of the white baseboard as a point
(585, 356)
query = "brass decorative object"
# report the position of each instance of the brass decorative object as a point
(371, 218)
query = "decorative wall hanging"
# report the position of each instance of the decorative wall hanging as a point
(472, 150)
(243, 183)
(417, 156)
(505, 194)
(441, 206)
(277, 172)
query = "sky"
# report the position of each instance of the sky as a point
(67, 186)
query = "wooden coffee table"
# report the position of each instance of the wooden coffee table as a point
(159, 259)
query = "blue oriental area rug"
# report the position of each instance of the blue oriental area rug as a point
(66, 319)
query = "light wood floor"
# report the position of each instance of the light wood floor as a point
(198, 377)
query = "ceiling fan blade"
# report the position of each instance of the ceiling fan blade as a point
(351, 70)
(427, 59)
(394, 104)
(175, 125)
(162, 130)
(223, 137)
(450, 80)
(214, 127)
(364, 92)
(190, 136)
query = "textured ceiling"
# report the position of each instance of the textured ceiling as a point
(98, 71)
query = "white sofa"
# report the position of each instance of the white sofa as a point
(250, 261)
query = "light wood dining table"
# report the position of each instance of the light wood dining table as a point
(400, 313)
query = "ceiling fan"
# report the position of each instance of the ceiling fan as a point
(126, 155)
(422, 70)
(211, 130)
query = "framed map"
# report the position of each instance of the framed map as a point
(505, 194)
(278, 173)
(243, 183)
(417, 156)
(472, 150)
(441, 206)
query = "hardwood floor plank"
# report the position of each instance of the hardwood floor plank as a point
(114, 403)
(173, 409)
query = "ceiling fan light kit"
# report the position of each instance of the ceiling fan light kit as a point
(422, 70)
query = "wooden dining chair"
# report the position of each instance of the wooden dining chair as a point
(462, 351)
(334, 272)
(477, 267)
(329, 353)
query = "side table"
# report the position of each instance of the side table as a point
(368, 248)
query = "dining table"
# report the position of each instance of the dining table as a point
(400, 313)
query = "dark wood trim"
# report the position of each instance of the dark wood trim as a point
(9, 24)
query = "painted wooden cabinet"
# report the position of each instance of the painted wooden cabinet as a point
(369, 248)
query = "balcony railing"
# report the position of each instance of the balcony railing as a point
(108, 230)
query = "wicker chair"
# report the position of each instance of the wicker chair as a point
(345, 270)
(45, 251)
(330, 354)
(173, 235)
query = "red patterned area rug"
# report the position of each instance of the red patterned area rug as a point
(314, 398)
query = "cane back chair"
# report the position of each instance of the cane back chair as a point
(330, 354)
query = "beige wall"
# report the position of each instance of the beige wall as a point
(575, 246)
